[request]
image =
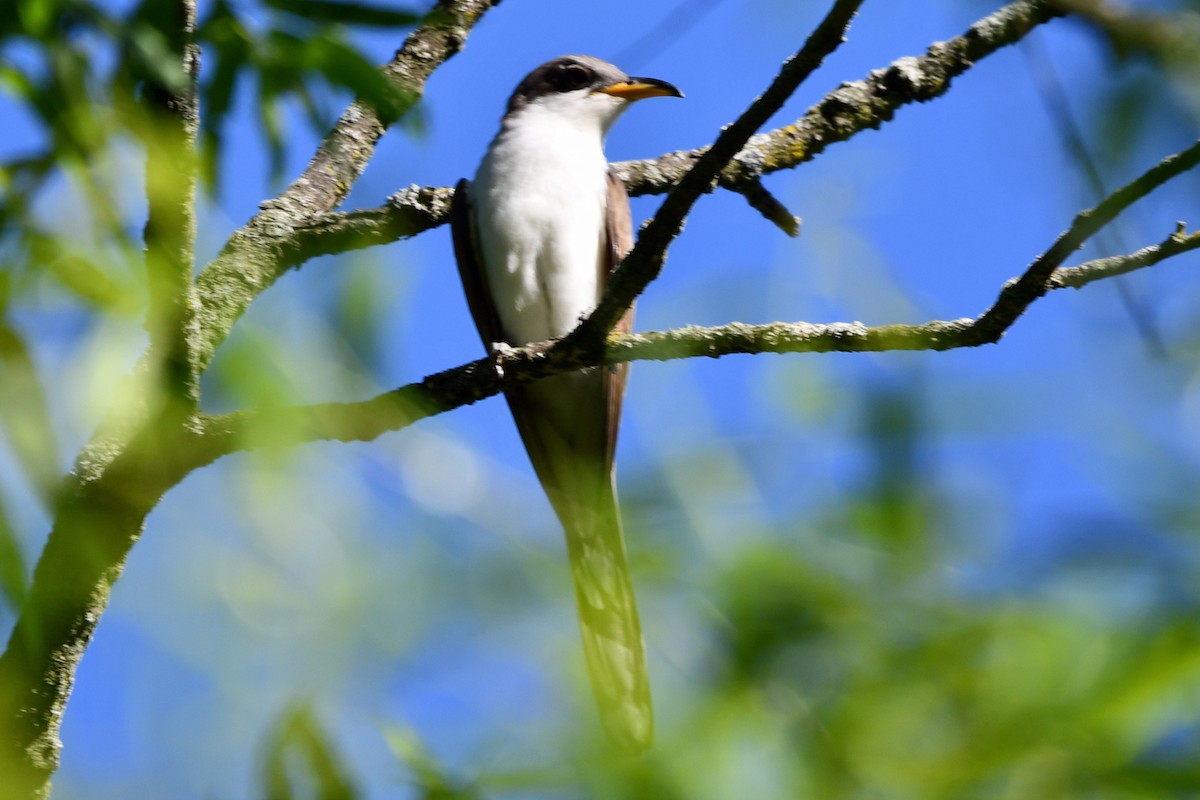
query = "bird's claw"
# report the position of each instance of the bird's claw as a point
(500, 351)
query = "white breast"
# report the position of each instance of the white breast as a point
(539, 202)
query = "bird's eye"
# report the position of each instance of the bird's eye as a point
(572, 77)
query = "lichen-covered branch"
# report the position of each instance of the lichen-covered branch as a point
(854, 107)
(266, 246)
(169, 130)
(474, 381)
(408, 212)
(1077, 277)
(96, 522)
(848, 110)
(644, 263)
(804, 337)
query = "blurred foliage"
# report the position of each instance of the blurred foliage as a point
(301, 762)
(77, 73)
(430, 779)
(1157, 48)
(78, 69)
(836, 651)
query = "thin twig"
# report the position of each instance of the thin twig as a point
(1016, 296)
(1098, 269)
(767, 204)
(474, 381)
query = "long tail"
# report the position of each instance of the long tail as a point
(564, 423)
(608, 621)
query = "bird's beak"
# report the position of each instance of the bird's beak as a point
(640, 88)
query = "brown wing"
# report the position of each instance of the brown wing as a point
(470, 266)
(619, 229)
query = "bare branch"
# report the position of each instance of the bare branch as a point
(1016, 296)
(765, 203)
(408, 212)
(474, 381)
(845, 112)
(1098, 269)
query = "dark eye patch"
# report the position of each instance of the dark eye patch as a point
(571, 77)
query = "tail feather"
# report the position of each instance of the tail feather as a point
(609, 625)
(563, 422)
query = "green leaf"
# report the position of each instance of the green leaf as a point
(20, 180)
(150, 58)
(230, 47)
(25, 417)
(300, 752)
(79, 274)
(64, 102)
(342, 65)
(16, 83)
(12, 565)
(346, 13)
(434, 782)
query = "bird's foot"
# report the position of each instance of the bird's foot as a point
(500, 351)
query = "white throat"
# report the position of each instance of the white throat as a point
(539, 199)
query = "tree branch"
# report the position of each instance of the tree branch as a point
(804, 337)
(476, 380)
(1077, 277)
(169, 134)
(1016, 296)
(843, 113)
(853, 107)
(96, 523)
(259, 252)
(123, 473)
(644, 263)
(773, 210)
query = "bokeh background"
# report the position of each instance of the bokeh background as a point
(894, 575)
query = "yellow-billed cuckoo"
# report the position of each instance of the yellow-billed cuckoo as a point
(536, 235)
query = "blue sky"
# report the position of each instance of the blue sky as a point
(366, 577)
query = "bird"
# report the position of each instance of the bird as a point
(536, 234)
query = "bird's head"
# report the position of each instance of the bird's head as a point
(585, 88)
